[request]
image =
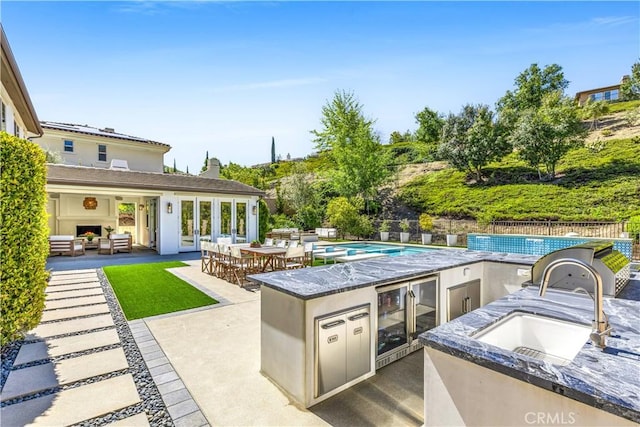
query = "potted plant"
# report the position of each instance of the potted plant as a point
(109, 230)
(426, 225)
(452, 237)
(404, 234)
(384, 230)
(255, 244)
(89, 236)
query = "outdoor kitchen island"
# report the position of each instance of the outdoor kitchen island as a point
(325, 329)
(468, 382)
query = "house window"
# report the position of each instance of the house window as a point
(16, 129)
(3, 116)
(68, 146)
(102, 153)
(615, 94)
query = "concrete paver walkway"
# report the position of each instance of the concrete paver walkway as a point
(72, 367)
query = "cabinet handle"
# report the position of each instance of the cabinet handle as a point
(332, 324)
(358, 316)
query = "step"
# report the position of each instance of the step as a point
(73, 279)
(73, 405)
(54, 347)
(73, 272)
(34, 379)
(73, 302)
(73, 294)
(61, 288)
(68, 313)
(70, 326)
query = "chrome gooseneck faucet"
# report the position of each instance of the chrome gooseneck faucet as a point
(600, 324)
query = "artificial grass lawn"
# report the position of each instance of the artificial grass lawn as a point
(145, 290)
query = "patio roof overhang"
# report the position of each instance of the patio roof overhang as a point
(79, 179)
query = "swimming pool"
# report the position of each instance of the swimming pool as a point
(381, 248)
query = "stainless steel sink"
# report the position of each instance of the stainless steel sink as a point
(552, 340)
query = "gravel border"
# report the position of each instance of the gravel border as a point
(151, 403)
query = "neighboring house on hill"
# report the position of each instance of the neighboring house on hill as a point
(82, 145)
(607, 93)
(17, 115)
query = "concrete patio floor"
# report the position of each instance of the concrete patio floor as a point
(205, 362)
(216, 353)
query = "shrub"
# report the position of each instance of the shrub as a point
(385, 225)
(263, 219)
(24, 231)
(606, 132)
(426, 222)
(633, 228)
(404, 225)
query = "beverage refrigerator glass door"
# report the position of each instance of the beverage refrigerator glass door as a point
(392, 318)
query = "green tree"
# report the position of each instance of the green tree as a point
(531, 86)
(273, 150)
(206, 163)
(542, 136)
(630, 87)
(264, 218)
(430, 124)
(255, 177)
(175, 169)
(594, 110)
(304, 198)
(344, 214)
(397, 137)
(361, 164)
(471, 139)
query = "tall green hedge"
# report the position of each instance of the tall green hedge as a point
(23, 236)
(263, 219)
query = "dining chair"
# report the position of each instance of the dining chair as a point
(240, 265)
(308, 253)
(206, 257)
(293, 258)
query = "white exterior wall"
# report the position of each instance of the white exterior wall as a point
(169, 226)
(12, 115)
(66, 210)
(460, 393)
(140, 156)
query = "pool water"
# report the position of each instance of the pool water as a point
(390, 250)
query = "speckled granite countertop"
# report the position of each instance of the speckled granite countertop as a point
(608, 380)
(309, 283)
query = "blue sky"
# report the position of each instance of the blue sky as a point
(227, 76)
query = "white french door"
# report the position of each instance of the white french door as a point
(233, 220)
(196, 220)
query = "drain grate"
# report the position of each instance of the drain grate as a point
(531, 352)
(541, 355)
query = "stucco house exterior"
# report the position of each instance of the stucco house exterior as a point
(108, 179)
(17, 115)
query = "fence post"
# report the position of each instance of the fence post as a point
(549, 227)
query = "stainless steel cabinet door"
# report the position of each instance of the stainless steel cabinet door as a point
(463, 299)
(332, 347)
(358, 343)
(473, 295)
(456, 300)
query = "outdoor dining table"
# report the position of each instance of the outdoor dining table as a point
(265, 255)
